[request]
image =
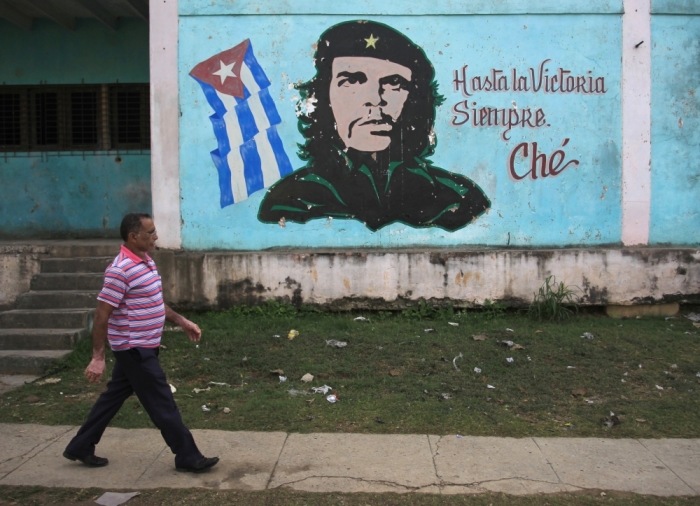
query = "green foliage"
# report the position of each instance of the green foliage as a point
(270, 308)
(554, 301)
(493, 309)
(425, 311)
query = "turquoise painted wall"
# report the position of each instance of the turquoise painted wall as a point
(579, 207)
(57, 195)
(91, 53)
(675, 134)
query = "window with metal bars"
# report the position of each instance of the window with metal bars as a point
(74, 118)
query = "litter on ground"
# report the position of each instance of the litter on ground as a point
(480, 337)
(334, 343)
(293, 392)
(477, 370)
(693, 317)
(321, 390)
(115, 498)
(218, 384)
(282, 378)
(172, 388)
(307, 377)
(490, 386)
(48, 381)
(510, 330)
(332, 398)
(454, 360)
(198, 390)
(361, 319)
(510, 360)
(454, 324)
(587, 335)
(205, 408)
(428, 331)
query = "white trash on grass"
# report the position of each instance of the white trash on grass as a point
(321, 390)
(115, 498)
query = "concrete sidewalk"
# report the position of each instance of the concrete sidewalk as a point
(31, 455)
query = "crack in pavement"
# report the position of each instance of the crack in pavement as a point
(667, 466)
(551, 466)
(437, 452)
(151, 464)
(272, 474)
(49, 442)
(355, 478)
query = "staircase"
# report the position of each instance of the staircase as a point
(57, 311)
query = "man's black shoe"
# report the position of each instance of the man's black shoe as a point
(88, 460)
(200, 466)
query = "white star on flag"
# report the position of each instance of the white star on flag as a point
(225, 71)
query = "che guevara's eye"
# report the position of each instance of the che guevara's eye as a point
(349, 78)
(395, 81)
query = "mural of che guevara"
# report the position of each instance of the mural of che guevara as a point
(369, 137)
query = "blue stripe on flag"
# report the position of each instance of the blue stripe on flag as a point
(224, 170)
(220, 155)
(252, 166)
(269, 106)
(246, 121)
(280, 155)
(255, 68)
(213, 99)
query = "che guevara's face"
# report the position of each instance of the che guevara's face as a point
(367, 96)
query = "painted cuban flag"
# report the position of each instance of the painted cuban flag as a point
(250, 155)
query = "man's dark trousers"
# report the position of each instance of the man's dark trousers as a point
(138, 370)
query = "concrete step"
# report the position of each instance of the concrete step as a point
(47, 318)
(83, 248)
(40, 339)
(75, 265)
(29, 361)
(65, 281)
(57, 299)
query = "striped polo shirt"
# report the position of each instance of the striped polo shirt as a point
(132, 285)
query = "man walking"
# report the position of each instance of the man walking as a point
(130, 314)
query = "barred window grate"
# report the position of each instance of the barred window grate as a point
(129, 125)
(46, 119)
(84, 118)
(74, 118)
(10, 126)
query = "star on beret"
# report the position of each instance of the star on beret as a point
(371, 41)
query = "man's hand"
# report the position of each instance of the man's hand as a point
(95, 370)
(191, 329)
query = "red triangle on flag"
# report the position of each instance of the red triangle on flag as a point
(223, 70)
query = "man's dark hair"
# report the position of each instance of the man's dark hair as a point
(131, 223)
(411, 135)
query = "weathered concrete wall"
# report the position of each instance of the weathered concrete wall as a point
(20, 260)
(17, 266)
(383, 279)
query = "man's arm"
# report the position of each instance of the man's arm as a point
(191, 329)
(96, 367)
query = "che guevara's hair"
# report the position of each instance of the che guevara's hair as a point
(131, 223)
(410, 138)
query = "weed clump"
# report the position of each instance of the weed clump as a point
(554, 301)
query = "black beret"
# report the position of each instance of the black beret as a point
(372, 40)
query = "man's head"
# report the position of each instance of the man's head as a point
(138, 232)
(374, 90)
